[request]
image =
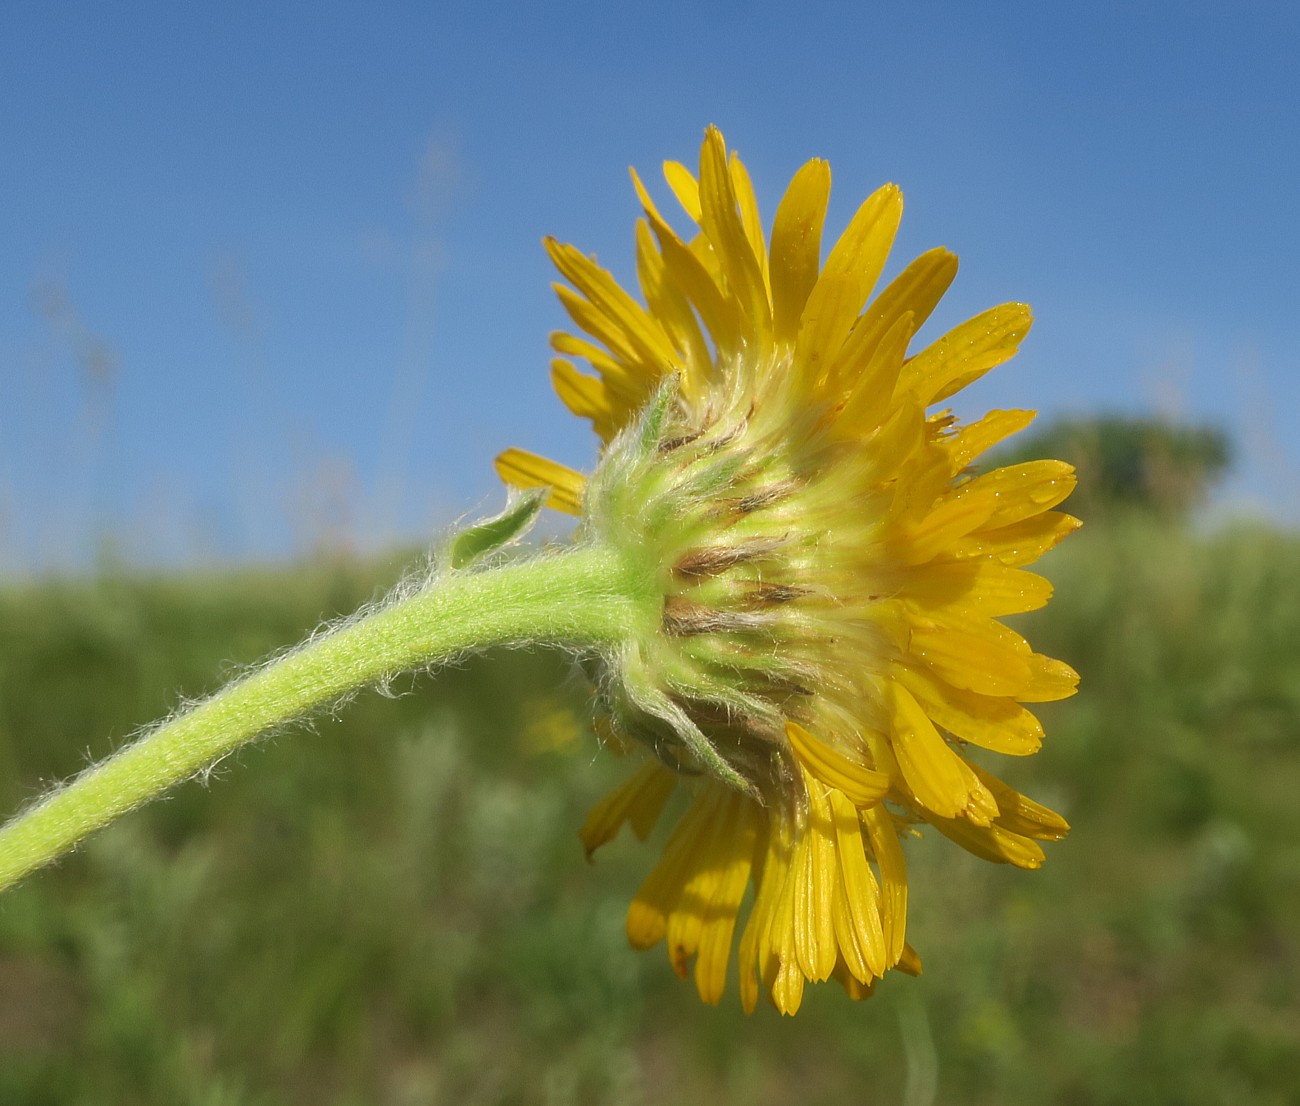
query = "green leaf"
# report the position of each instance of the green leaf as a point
(510, 525)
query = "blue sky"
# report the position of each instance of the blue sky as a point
(271, 275)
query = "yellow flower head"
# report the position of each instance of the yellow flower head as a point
(831, 573)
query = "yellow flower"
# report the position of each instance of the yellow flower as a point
(832, 573)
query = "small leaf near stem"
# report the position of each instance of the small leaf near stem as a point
(482, 538)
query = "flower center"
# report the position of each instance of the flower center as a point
(719, 512)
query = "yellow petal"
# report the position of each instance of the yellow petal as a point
(860, 784)
(891, 444)
(627, 386)
(861, 892)
(996, 723)
(986, 663)
(939, 779)
(1020, 814)
(588, 398)
(771, 860)
(643, 194)
(853, 987)
(685, 187)
(824, 325)
(992, 843)
(712, 860)
(639, 800)
(801, 906)
(979, 587)
(910, 961)
(719, 313)
(984, 434)
(940, 529)
(667, 302)
(796, 246)
(782, 936)
(609, 333)
(825, 880)
(657, 898)
(852, 958)
(1020, 491)
(721, 222)
(918, 289)
(1049, 680)
(521, 469)
(749, 216)
(966, 353)
(893, 878)
(850, 273)
(816, 873)
(720, 917)
(863, 248)
(1020, 543)
(644, 334)
(787, 990)
(867, 369)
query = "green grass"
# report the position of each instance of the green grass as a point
(392, 905)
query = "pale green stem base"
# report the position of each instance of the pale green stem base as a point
(586, 597)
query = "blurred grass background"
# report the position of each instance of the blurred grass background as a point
(393, 907)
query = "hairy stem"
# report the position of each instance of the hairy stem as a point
(586, 597)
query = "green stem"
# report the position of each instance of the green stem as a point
(584, 597)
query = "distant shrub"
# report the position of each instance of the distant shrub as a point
(1127, 463)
